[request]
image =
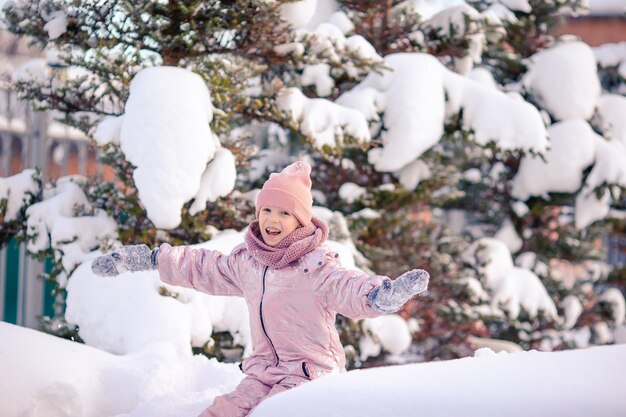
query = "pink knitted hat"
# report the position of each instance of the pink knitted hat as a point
(291, 190)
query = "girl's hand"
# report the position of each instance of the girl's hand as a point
(413, 282)
(391, 295)
(127, 258)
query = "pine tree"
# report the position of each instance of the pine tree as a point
(243, 46)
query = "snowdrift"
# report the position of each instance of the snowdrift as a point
(571, 383)
(47, 376)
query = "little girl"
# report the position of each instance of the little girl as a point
(293, 285)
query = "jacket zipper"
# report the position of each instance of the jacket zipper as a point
(261, 316)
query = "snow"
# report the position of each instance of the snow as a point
(122, 314)
(564, 80)
(324, 11)
(610, 54)
(521, 384)
(514, 289)
(483, 76)
(138, 331)
(390, 332)
(528, 260)
(83, 381)
(610, 164)
(414, 87)
(572, 150)
(218, 180)
(108, 130)
(330, 42)
(350, 192)
(66, 222)
(366, 213)
(417, 85)
(517, 5)
(56, 24)
(494, 116)
(509, 236)
(17, 191)
(428, 8)
(572, 309)
(520, 208)
(601, 333)
(322, 121)
(614, 298)
(415, 172)
(611, 112)
(610, 167)
(574, 146)
(165, 133)
(342, 21)
(158, 382)
(463, 19)
(298, 13)
(319, 76)
(474, 288)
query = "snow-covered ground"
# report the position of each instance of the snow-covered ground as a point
(47, 376)
(137, 360)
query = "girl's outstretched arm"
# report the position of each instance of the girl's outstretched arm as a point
(357, 295)
(204, 270)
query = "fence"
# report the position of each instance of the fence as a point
(31, 139)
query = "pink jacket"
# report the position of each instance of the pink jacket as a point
(292, 309)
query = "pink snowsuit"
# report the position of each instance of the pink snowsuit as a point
(292, 314)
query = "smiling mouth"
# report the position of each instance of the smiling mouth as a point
(272, 232)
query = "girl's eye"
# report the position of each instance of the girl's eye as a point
(285, 213)
(265, 210)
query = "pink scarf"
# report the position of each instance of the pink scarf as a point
(301, 241)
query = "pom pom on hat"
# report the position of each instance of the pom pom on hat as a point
(289, 189)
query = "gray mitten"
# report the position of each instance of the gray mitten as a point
(391, 295)
(127, 258)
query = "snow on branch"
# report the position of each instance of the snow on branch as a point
(218, 180)
(322, 121)
(66, 222)
(411, 96)
(494, 116)
(610, 170)
(572, 150)
(329, 53)
(574, 147)
(412, 99)
(611, 55)
(165, 133)
(17, 191)
(460, 22)
(513, 288)
(564, 80)
(611, 117)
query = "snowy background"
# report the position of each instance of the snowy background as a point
(137, 360)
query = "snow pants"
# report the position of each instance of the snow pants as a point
(248, 394)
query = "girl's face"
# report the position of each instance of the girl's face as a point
(276, 224)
